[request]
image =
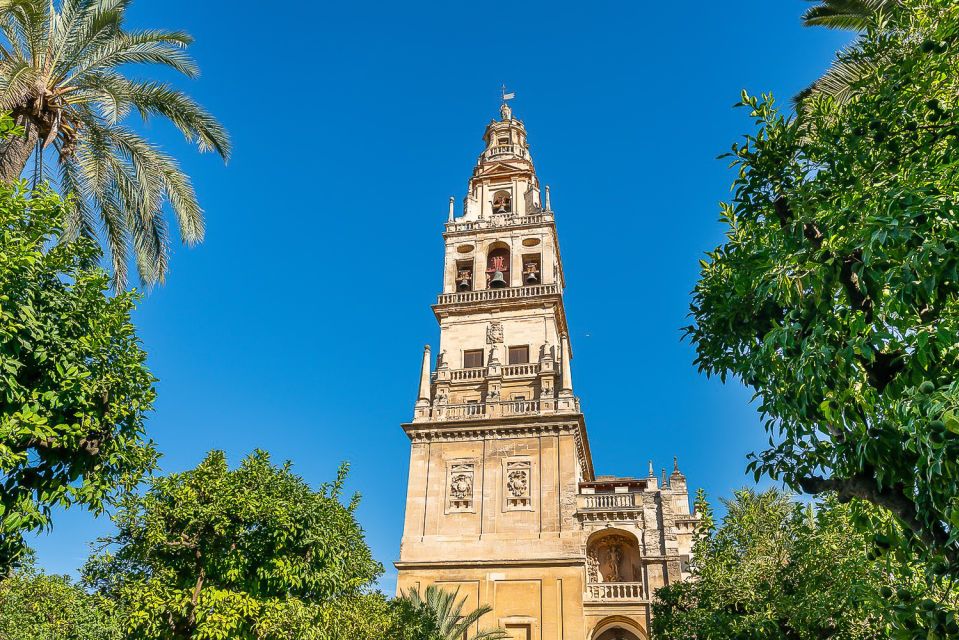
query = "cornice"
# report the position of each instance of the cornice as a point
(503, 428)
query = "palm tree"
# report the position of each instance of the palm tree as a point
(60, 78)
(848, 15)
(445, 613)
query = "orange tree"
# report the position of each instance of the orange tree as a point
(74, 387)
(835, 295)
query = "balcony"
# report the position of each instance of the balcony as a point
(614, 591)
(499, 409)
(511, 293)
(505, 150)
(499, 220)
(529, 370)
(608, 501)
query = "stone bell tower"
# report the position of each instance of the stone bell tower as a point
(502, 502)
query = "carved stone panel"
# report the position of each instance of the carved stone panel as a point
(459, 486)
(494, 333)
(517, 490)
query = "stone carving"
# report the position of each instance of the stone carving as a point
(460, 487)
(494, 333)
(592, 567)
(614, 559)
(518, 483)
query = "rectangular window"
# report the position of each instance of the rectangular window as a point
(518, 631)
(519, 355)
(473, 359)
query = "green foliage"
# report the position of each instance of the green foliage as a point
(252, 552)
(438, 614)
(36, 606)
(835, 295)
(63, 71)
(74, 388)
(854, 15)
(778, 569)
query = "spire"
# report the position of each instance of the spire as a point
(664, 483)
(652, 474)
(424, 395)
(450, 218)
(567, 382)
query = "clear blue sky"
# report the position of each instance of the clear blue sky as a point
(353, 123)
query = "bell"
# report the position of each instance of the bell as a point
(532, 277)
(497, 281)
(464, 284)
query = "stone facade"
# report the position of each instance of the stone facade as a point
(502, 502)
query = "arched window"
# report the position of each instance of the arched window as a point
(502, 202)
(497, 268)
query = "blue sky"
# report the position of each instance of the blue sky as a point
(298, 325)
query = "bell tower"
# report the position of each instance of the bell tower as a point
(502, 500)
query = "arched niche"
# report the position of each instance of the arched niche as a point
(612, 555)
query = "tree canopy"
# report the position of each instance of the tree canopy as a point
(835, 295)
(38, 606)
(74, 387)
(251, 552)
(776, 569)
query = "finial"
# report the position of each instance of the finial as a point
(665, 482)
(452, 199)
(548, 206)
(675, 464)
(652, 474)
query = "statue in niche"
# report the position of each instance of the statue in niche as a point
(615, 558)
(518, 483)
(494, 333)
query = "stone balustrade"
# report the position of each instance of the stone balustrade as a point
(499, 294)
(500, 408)
(505, 149)
(460, 375)
(614, 591)
(500, 220)
(521, 370)
(607, 501)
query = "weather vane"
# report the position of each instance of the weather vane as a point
(507, 96)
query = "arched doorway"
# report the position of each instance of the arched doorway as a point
(617, 633)
(618, 628)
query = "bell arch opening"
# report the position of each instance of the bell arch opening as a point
(497, 266)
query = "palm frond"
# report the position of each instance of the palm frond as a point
(193, 121)
(848, 15)
(143, 47)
